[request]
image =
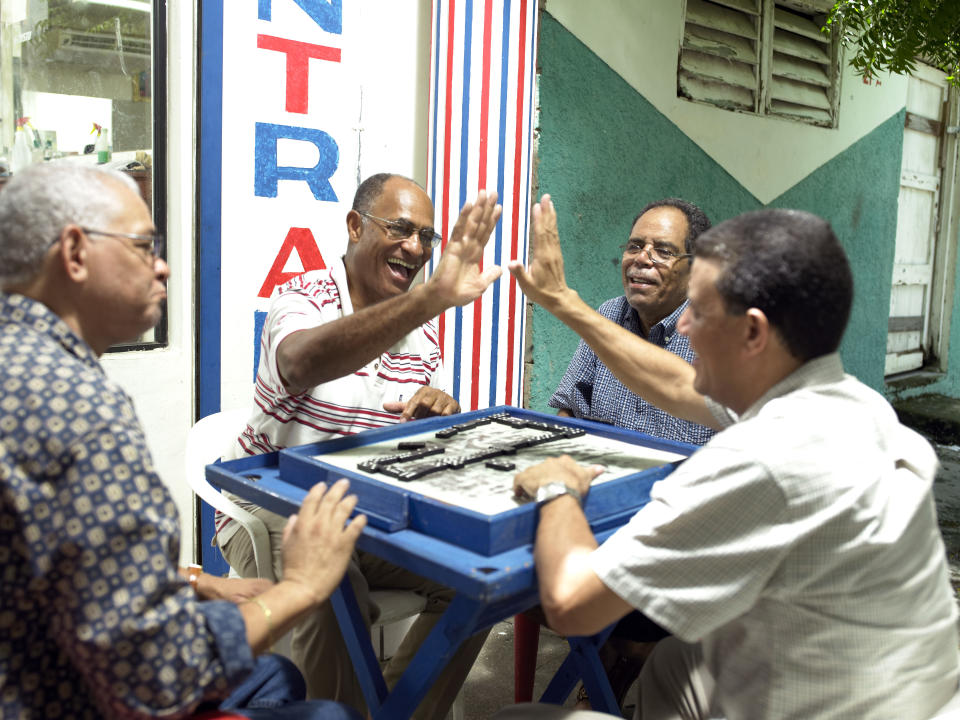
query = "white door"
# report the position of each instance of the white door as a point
(908, 334)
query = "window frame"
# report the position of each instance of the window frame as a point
(713, 74)
(158, 99)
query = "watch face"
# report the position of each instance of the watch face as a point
(553, 490)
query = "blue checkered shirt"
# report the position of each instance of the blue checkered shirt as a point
(590, 391)
(95, 622)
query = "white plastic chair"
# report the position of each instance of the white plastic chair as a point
(207, 441)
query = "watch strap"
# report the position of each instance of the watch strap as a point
(553, 490)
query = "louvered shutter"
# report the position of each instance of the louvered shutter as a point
(759, 56)
(720, 57)
(802, 69)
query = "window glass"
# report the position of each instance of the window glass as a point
(76, 82)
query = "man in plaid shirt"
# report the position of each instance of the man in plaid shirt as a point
(655, 269)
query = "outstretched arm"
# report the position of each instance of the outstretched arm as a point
(658, 376)
(310, 357)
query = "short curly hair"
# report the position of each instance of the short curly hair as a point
(370, 189)
(43, 199)
(697, 220)
(790, 265)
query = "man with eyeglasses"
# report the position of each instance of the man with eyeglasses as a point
(655, 268)
(96, 619)
(351, 348)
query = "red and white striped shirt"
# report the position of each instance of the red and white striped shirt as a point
(345, 406)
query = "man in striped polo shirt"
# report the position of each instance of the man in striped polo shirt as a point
(352, 348)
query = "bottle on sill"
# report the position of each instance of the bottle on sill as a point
(102, 146)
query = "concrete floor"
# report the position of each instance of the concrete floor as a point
(489, 686)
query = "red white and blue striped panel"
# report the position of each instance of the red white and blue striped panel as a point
(481, 124)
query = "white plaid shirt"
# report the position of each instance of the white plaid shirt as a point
(800, 547)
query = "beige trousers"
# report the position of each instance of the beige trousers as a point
(317, 646)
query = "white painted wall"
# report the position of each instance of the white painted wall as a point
(640, 40)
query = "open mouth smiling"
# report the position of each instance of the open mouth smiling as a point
(401, 267)
(640, 280)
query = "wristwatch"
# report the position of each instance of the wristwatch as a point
(551, 491)
(194, 572)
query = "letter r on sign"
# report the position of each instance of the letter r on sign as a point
(267, 174)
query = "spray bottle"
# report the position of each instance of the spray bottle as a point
(22, 147)
(102, 145)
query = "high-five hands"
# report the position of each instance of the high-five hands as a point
(458, 278)
(543, 281)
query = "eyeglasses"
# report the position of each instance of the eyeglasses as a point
(658, 254)
(148, 247)
(401, 229)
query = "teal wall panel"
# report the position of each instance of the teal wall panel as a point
(857, 193)
(604, 152)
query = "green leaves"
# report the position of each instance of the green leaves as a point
(892, 35)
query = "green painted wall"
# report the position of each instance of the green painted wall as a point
(857, 193)
(604, 152)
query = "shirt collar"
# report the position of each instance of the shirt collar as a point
(819, 371)
(22, 310)
(662, 331)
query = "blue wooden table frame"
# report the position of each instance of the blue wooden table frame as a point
(489, 587)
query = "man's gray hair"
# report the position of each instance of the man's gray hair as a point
(41, 200)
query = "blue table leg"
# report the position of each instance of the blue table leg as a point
(356, 636)
(584, 663)
(458, 622)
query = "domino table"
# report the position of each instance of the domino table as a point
(438, 495)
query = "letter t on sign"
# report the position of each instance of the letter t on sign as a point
(298, 66)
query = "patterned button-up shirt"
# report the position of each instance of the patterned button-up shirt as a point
(94, 620)
(590, 390)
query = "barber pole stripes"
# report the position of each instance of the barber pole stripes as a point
(481, 124)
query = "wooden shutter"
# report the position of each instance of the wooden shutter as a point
(720, 56)
(802, 69)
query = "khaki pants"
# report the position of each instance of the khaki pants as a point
(317, 646)
(675, 684)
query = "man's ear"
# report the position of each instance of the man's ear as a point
(73, 253)
(354, 225)
(757, 331)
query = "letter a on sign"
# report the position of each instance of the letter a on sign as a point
(301, 240)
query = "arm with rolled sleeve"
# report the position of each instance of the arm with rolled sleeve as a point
(702, 550)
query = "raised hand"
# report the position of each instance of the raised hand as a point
(458, 279)
(426, 402)
(318, 541)
(543, 281)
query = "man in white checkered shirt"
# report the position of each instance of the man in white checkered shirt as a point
(796, 557)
